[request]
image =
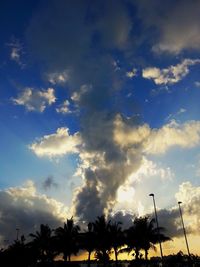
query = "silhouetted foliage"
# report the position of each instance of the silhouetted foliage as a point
(143, 235)
(101, 236)
(67, 239)
(43, 244)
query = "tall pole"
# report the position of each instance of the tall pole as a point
(181, 215)
(154, 203)
(17, 229)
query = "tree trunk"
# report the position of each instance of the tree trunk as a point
(116, 259)
(136, 254)
(89, 254)
(146, 254)
(104, 258)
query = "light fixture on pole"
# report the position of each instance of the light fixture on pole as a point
(179, 204)
(17, 230)
(154, 203)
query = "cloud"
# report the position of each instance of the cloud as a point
(190, 197)
(59, 78)
(170, 75)
(186, 135)
(127, 132)
(113, 146)
(124, 217)
(16, 51)
(91, 82)
(176, 24)
(49, 183)
(104, 167)
(149, 173)
(132, 73)
(35, 100)
(170, 218)
(64, 108)
(197, 84)
(57, 144)
(180, 31)
(23, 208)
(156, 141)
(178, 113)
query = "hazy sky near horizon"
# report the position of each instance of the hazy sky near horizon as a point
(99, 106)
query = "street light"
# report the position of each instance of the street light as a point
(179, 204)
(154, 203)
(17, 229)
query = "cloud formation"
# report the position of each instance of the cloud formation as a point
(64, 108)
(57, 144)
(58, 78)
(190, 197)
(170, 218)
(23, 208)
(157, 141)
(35, 100)
(132, 73)
(113, 145)
(16, 51)
(176, 23)
(186, 135)
(170, 75)
(49, 183)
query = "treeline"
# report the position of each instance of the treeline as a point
(102, 237)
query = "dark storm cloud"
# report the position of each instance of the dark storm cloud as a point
(80, 37)
(123, 217)
(49, 182)
(23, 208)
(170, 220)
(176, 24)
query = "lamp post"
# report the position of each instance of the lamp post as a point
(17, 229)
(179, 204)
(154, 203)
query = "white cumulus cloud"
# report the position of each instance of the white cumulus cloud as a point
(64, 108)
(23, 207)
(35, 100)
(132, 73)
(157, 141)
(186, 135)
(189, 195)
(58, 77)
(170, 75)
(57, 144)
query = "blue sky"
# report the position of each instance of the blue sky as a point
(99, 106)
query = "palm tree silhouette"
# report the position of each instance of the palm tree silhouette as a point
(88, 241)
(101, 232)
(143, 235)
(116, 238)
(43, 243)
(67, 239)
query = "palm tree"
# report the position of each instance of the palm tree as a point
(132, 242)
(116, 238)
(87, 240)
(101, 232)
(67, 239)
(43, 243)
(143, 235)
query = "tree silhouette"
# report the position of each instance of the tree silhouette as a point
(88, 241)
(143, 235)
(67, 239)
(116, 238)
(43, 243)
(103, 245)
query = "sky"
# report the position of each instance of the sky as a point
(99, 107)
